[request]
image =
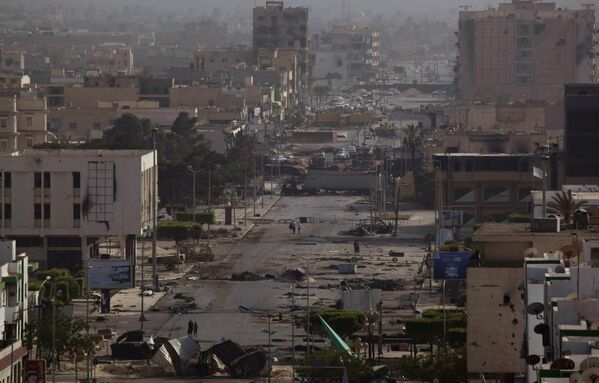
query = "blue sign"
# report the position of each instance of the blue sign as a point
(451, 264)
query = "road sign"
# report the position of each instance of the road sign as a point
(451, 265)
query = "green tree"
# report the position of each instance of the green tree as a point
(563, 203)
(447, 367)
(345, 323)
(357, 370)
(429, 328)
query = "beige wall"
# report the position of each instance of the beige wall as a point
(85, 122)
(89, 97)
(495, 331)
(202, 96)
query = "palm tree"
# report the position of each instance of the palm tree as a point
(564, 204)
(412, 141)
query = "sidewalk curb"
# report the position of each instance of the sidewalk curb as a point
(276, 200)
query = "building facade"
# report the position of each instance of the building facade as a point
(524, 50)
(23, 122)
(57, 204)
(276, 26)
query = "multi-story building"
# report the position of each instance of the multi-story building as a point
(524, 50)
(286, 62)
(111, 61)
(14, 312)
(58, 204)
(23, 121)
(484, 187)
(217, 59)
(581, 136)
(12, 61)
(362, 45)
(278, 27)
(14, 81)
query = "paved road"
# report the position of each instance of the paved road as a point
(269, 248)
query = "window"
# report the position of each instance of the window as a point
(76, 211)
(76, 180)
(29, 120)
(3, 122)
(37, 180)
(7, 180)
(29, 142)
(47, 179)
(101, 188)
(3, 145)
(46, 211)
(72, 125)
(7, 211)
(37, 211)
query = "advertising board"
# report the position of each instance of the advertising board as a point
(109, 274)
(451, 265)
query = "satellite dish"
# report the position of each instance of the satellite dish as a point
(592, 362)
(535, 308)
(559, 269)
(576, 378)
(541, 328)
(563, 364)
(531, 360)
(591, 375)
(531, 252)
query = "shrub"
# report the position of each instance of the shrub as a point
(178, 231)
(202, 217)
(518, 218)
(344, 322)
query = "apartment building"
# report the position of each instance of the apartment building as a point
(111, 61)
(361, 43)
(12, 61)
(524, 50)
(57, 204)
(484, 187)
(14, 81)
(23, 121)
(277, 26)
(216, 59)
(14, 310)
(286, 62)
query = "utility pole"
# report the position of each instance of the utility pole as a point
(154, 214)
(142, 317)
(193, 197)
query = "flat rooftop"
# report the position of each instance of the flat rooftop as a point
(487, 155)
(499, 232)
(77, 153)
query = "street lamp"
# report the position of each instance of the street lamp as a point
(39, 317)
(154, 213)
(193, 211)
(307, 302)
(87, 362)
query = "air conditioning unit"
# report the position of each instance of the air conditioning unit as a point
(544, 225)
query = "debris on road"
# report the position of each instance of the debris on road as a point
(246, 276)
(237, 361)
(297, 274)
(175, 355)
(131, 346)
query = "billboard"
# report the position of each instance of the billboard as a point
(35, 371)
(109, 274)
(451, 264)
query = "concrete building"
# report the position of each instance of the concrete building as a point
(23, 121)
(14, 312)
(361, 44)
(524, 50)
(581, 136)
(484, 187)
(286, 62)
(111, 61)
(14, 81)
(57, 204)
(276, 26)
(217, 59)
(204, 96)
(79, 97)
(12, 61)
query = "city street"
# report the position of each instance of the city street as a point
(269, 248)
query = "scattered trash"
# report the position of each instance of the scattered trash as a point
(294, 275)
(245, 276)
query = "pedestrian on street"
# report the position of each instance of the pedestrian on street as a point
(190, 327)
(291, 227)
(299, 227)
(195, 329)
(356, 247)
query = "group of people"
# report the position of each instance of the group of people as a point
(192, 328)
(294, 226)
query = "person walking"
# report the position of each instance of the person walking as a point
(299, 227)
(291, 230)
(195, 329)
(190, 327)
(293, 226)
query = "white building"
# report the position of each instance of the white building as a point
(13, 310)
(58, 204)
